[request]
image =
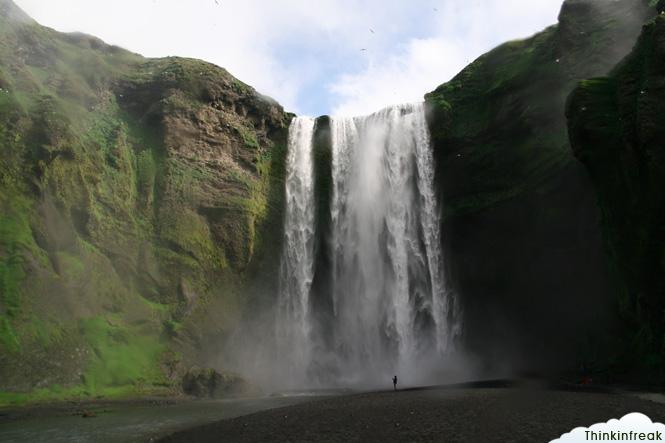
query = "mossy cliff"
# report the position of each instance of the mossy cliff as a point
(140, 208)
(520, 221)
(617, 129)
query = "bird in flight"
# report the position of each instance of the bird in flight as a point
(371, 30)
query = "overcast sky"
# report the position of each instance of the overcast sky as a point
(341, 57)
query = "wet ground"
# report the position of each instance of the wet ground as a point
(121, 422)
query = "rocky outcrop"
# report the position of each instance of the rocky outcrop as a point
(208, 383)
(617, 129)
(520, 218)
(140, 211)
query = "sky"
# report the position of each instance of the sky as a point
(316, 57)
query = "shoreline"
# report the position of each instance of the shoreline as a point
(281, 414)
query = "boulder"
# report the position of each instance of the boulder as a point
(208, 383)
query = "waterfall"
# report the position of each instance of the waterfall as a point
(391, 308)
(293, 324)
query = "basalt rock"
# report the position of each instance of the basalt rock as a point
(208, 383)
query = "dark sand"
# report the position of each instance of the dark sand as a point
(478, 414)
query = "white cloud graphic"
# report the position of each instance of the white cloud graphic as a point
(632, 427)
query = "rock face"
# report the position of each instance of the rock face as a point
(208, 383)
(617, 129)
(520, 218)
(140, 209)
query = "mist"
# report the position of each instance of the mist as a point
(362, 293)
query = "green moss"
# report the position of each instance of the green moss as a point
(122, 357)
(171, 259)
(160, 308)
(9, 341)
(98, 207)
(15, 241)
(72, 266)
(43, 332)
(172, 327)
(12, 275)
(191, 233)
(263, 269)
(145, 176)
(239, 87)
(78, 393)
(248, 137)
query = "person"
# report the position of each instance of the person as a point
(395, 382)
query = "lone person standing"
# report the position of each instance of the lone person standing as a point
(395, 382)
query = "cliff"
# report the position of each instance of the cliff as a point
(617, 129)
(140, 210)
(520, 217)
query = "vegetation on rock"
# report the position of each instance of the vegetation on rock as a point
(138, 208)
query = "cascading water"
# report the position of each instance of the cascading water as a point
(391, 311)
(293, 325)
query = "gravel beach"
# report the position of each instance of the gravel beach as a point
(482, 414)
